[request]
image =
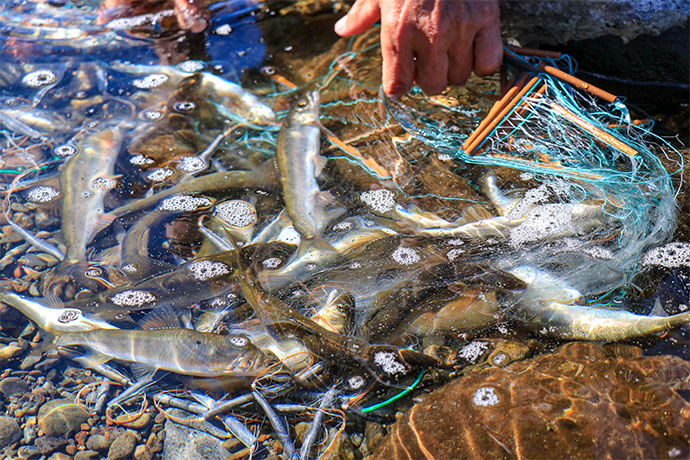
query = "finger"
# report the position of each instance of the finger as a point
(190, 15)
(488, 49)
(362, 15)
(398, 55)
(460, 61)
(432, 69)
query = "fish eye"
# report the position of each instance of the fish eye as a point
(302, 104)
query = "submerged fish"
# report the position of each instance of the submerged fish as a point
(299, 163)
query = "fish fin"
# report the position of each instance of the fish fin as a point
(54, 301)
(317, 243)
(163, 317)
(473, 214)
(103, 222)
(325, 208)
(92, 359)
(320, 163)
(142, 372)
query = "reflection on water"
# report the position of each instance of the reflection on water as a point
(235, 236)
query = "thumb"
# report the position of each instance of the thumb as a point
(362, 15)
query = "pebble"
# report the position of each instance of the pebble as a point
(142, 452)
(10, 351)
(28, 452)
(59, 416)
(29, 434)
(98, 442)
(87, 455)
(184, 443)
(13, 385)
(9, 432)
(59, 456)
(29, 361)
(137, 424)
(49, 444)
(123, 446)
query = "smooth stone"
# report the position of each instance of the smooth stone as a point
(28, 452)
(98, 442)
(29, 361)
(136, 424)
(13, 385)
(9, 432)
(87, 455)
(49, 444)
(184, 443)
(59, 456)
(142, 452)
(60, 416)
(10, 351)
(123, 446)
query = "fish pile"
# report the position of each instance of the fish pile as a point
(166, 219)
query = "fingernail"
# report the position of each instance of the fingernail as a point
(341, 25)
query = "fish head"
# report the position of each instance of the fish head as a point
(305, 110)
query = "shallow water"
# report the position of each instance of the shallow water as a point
(136, 158)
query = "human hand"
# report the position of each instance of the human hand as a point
(430, 42)
(190, 14)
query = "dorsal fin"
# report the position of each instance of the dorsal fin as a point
(163, 317)
(53, 301)
(474, 214)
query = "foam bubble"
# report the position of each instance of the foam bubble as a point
(150, 81)
(543, 221)
(152, 114)
(356, 382)
(129, 268)
(133, 298)
(204, 270)
(191, 164)
(343, 226)
(454, 254)
(473, 351)
(140, 160)
(676, 254)
(225, 29)
(184, 203)
(272, 262)
(103, 183)
(485, 396)
(190, 66)
(160, 174)
(42, 193)
(186, 106)
(39, 78)
(236, 213)
(405, 256)
(381, 200)
(65, 150)
(239, 341)
(389, 363)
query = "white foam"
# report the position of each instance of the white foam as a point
(543, 221)
(485, 396)
(152, 114)
(39, 78)
(676, 254)
(381, 200)
(133, 298)
(454, 254)
(389, 363)
(140, 160)
(204, 270)
(103, 183)
(186, 106)
(191, 66)
(160, 174)
(225, 29)
(192, 164)
(405, 256)
(184, 203)
(236, 213)
(271, 263)
(65, 150)
(473, 351)
(150, 81)
(42, 193)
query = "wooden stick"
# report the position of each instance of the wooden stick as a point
(605, 95)
(534, 52)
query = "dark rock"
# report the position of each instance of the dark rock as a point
(184, 443)
(123, 446)
(9, 431)
(49, 444)
(28, 453)
(29, 362)
(12, 385)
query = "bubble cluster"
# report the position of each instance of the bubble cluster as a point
(485, 396)
(160, 174)
(239, 341)
(672, 255)
(389, 363)
(191, 164)
(532, 197)
(542, 222)
(133, 298)
(236, 213)
(204, 270)
(129, 268)
(186, 106)
(65, 150)
(69, 315)
(473, 351)
(103, 183)
(140, 160)
(405, 256)
(190, 66)
(39, 78)
(381, 200)
(42, 193)
(343, 226)
(184, 203)
(150, 81)
(356, 382)
(152, 114)
(454, 254)
(271, 263)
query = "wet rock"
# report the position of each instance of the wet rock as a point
(10, 351)
(9, 431)
(582, 401)
(59, 456)
(143, 452)
(29, 362)
(565, 20)
(98, 442)
(136, 424)
(60, 416)
(28, 453)
(183, 443)
(87, 455)
(12, 385)
(49, 444)
(123, 446)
